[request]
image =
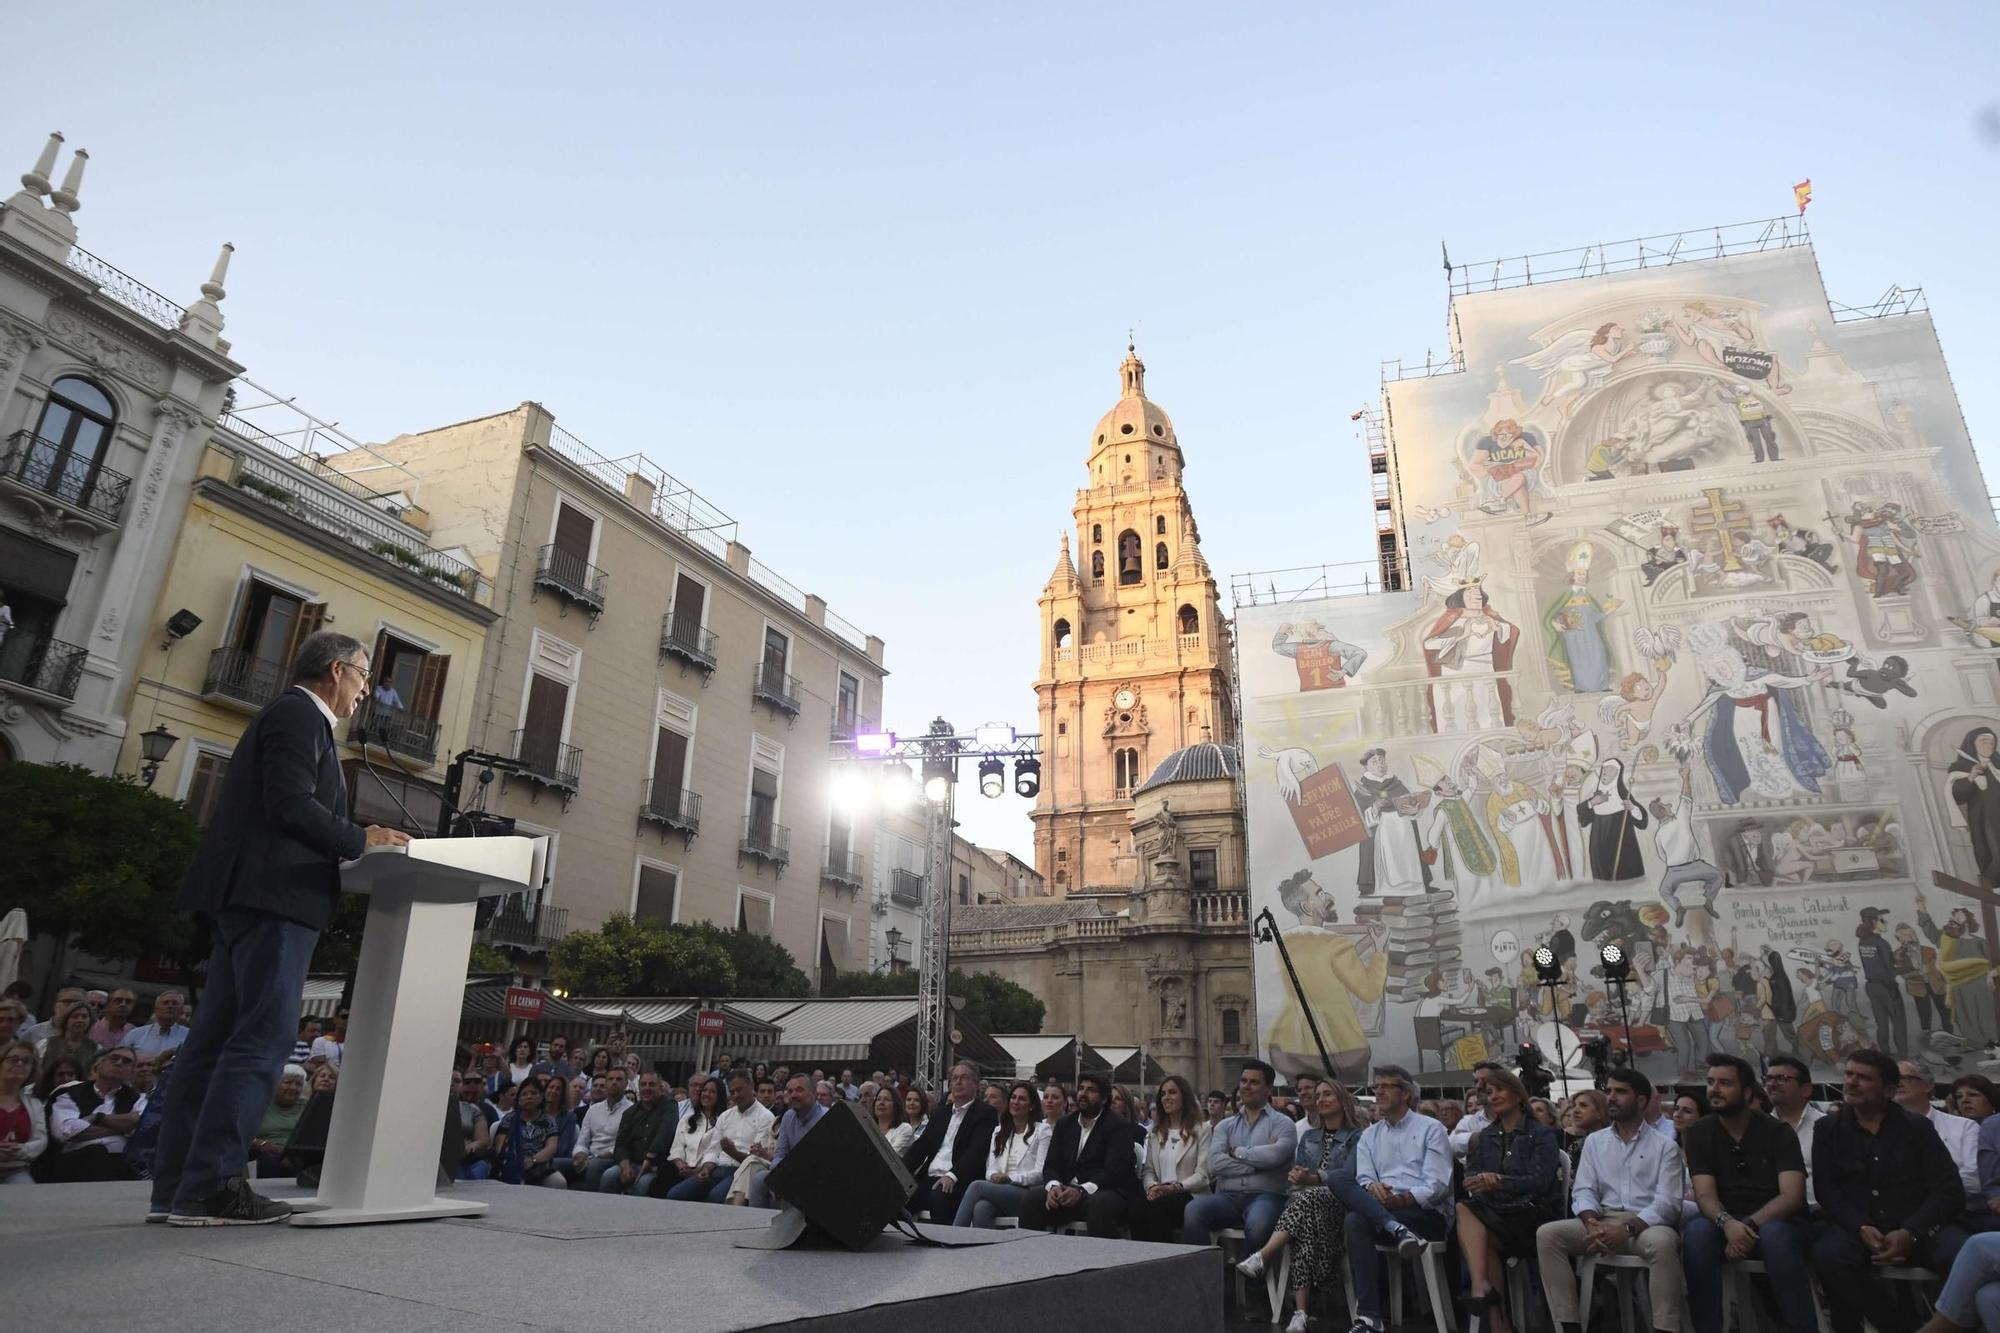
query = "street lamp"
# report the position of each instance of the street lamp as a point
(154, 747)
(895, 940)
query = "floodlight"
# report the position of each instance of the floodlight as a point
(1617, 967)
(936, 789)
(992, 778)
(1027, 777)
(993, 736)
(875, 742)
(850, 791)
(1546, 966)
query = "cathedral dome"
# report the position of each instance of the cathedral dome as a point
(1206, 762)
(1135, 417)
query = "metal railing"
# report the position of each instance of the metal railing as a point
(777, 689)
(1898, 300)
(520, 924)
(1306, 582)
(40, 465)
(689, 642)
(45, 665)
(396, 729)
(126, 290)
(846, 726)
(571, 576)
(842, 868)
(906, 887)
(240, 675)
(674, 807)
(675, 505)
(766, 841)
(355, 523)
(1680, 247)
(553, 765)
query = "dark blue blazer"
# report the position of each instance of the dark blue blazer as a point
(280, 828)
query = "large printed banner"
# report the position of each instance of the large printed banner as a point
(1699, 656)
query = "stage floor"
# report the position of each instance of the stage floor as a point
(78, 1257)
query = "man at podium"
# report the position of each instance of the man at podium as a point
(265, 877)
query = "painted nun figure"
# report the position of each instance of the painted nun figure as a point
(1975, 788)
(1613, 820)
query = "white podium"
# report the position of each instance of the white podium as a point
(409, 990)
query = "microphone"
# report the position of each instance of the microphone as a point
(358, 734)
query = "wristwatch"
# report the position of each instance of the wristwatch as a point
(1633, 1226)
(1723, 1218)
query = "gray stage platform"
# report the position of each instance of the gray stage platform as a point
(78, 1258)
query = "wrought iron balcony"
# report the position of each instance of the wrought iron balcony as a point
(687, 643)
(548, 764)
(43, 666)
(396, 729)
(520, 924)
(776, 690)
(673, 809)
(573, 579)
(906, 887)
(236, 675)
(767, 842)
(846, 726)
(93, 494)
(842, 868)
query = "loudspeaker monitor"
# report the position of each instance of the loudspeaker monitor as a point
(843, 1178)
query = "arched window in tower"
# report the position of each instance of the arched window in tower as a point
(1190, 620)
(1160, 555)
(1160, 525)
(1096, 533)
(1062, 634)
(1127, 771)
(1131, 560)
(69, 443)
(1097, 566)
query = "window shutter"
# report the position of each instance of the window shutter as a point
(688, 599)
(755, 915)
(574, 530)
(312, 615)
(657, 889)
(427, 700)
(542, 730)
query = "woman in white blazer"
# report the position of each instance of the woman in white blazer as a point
(24, 1118)
(1175, 1165)
(1013, 1162)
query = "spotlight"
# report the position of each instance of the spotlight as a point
(993, 736)
(1027, 777)
(850, 792)
(992, 778)
(1617, 967)
(1546, 967)
(181, 624)
(936, 789)
(875, 742)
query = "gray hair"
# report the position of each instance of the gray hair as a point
(1398, 1075)
(294, 1071)
(321, 649)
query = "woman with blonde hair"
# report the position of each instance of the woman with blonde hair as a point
(24, 1123)
(1314, 1221)
(1173, 1161)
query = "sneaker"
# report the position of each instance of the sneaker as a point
(1301, 1321)
(1362, 1326)
(1253, 1266)
(156, 1212)
(1408, 1243)
(234, 1205)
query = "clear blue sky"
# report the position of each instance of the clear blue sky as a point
(861, 274)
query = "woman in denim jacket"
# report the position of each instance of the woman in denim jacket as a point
(1510, 1190)
(1314, 1221)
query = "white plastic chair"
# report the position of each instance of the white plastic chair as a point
(1277, 1277)
(1627, 1271)
(1432, 1262)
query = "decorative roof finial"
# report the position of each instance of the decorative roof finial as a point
(212, 289)
(36, 181)
(65, 198)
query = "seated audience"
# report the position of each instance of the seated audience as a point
(1475, 1116)
(1975, 1097)
(1249, 1154)
(164, 1031)
(1314, 1222)
(520, 1066)
(39, 1032)
(71, 1038)
(1540, 1110)
(950, 1152)
(802, 1112)
(1013, 1163)
(1789, 1085)
(1912, 1091)
(643, 1135)
(24, 1133)
(525, 1142)
(1173, 1163)
(1510, 1178)
(475, 1124)
(274, 1131)
(115, 1027)
(1401, 1190)
(1583, 1115)
(596, 1148)
(745, 1133)
(688, 1173)
(1971, 1295)
(1626, 1197)
(327, 1077)
(1089, 1173)
(1216, 1105)
(90, 1121)
(1890, 1194)
(561, 1106)
(1749, 1182)
(888, 1108)
(1055, 1104)
(917, 1108)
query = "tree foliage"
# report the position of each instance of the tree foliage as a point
(630, 957)
(990, 1001)
(96, 860)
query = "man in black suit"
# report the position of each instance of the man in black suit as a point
(951, 1152)
(265, 878)
(1092, 1172)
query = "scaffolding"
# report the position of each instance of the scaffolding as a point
(1668, 248)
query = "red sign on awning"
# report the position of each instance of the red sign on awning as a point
(524, 1004)
(709, 1023)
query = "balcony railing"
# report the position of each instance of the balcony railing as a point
(125, 289)
(673, 808)
(523, 925)
(776, 690)
(550, 764)
(239, 676)
(768, 842)
(1221, 907)
(397, 729)
(40, 465)
(688, 643)
(846, 726)
(572, 578)
(906, 887)
(842, 868)
(46, 666)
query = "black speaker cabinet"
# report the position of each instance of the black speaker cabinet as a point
(844, 1178)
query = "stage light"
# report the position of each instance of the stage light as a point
(992, 778)
(993, 736)
(1546, 966)
(936, 789)
(899, 786)
(1617, 967)
(875, 742)
(1027, 777)
(850, 792)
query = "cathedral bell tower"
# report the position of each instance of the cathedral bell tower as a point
(1135, 660)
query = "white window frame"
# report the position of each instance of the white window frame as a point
(707, 593)
(743, 891)
(573, 680)
(595, 515)
(750, 778)
(791, 643)
(639, 865)
(196, 748)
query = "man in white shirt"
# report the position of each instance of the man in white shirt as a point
(1626, 1200)
(1961, 1136)
(1788, 1083)
(951, 1151)
(597, 1136)
(1656, 1118)
(1401, 1189)
(741, 1129)
(90, 1121)
(165, 1032)
(333, 1044)
(1474, 1120)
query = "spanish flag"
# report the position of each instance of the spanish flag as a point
(1803, 193)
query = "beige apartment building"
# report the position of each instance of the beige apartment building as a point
(655, 700)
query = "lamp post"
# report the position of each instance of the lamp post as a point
(1618, 972)
(894, 938)
(154, 747)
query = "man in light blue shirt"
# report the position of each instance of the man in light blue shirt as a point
(165, 1032)
(1248, 1158)
(1626, 1200)
(1401, 1189)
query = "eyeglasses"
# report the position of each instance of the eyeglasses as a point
(366, 674)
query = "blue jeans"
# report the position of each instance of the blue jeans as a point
(612, 1183)
(596, 1169)
(1854, 1292)
(1971, 1295)
(693, 1189)
(1257, 1214)
(1367, 1225)
(229, 1066)
(476, 1168)
(1782, 1248)
(985, 1203)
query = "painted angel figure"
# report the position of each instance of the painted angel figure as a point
(1755, 738)
(1461, 562)
(1630, 711)
(1712, 332)
(1576, 363)
(1294, 766)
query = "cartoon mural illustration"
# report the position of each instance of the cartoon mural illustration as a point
(1756, 547)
